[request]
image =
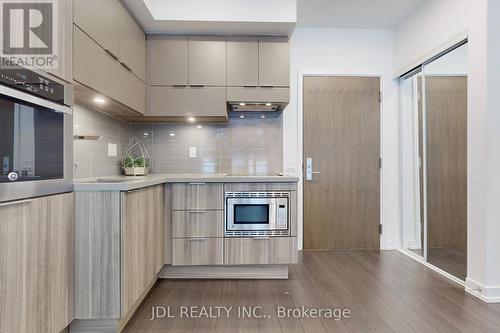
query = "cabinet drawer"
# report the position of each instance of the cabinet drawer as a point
(197, 251)
(193, 196)
(194, 223)
(260, 251)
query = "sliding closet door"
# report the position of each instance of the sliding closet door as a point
(446, 162)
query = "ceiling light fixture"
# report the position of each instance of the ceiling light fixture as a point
(242, 104)
(268, 104)
(242, 116)
(99, 100)
(172, 134)
(263, 116)
(199, 126)
(191, 119)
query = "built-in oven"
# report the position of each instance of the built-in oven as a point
(36, 130)
(255, 214)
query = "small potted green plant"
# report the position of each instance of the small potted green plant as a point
(135, 159)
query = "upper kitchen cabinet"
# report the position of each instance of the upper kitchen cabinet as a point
(99, 19)
(207, 61)
(99, 73)
(131, 44)
(274, 62)
(167, 58)
(242, 61)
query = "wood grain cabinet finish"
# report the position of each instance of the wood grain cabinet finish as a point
(187, 101)
(197, 196)
(197, 251)
(96, 69)
(260, 251)
(167, 58)
(193, 223)
(207, 61)
(37, 264)
(64, 69)
(242, 61)
(143, 242)
(132, 43)
(99, 19)
(274, 62)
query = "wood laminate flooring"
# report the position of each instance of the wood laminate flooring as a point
(450, 259)
(385, 292)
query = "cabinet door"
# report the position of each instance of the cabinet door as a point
(260, 251)
(187, 101)
(158, 229)
(197, 251)
(37, 264)
(99, 19)
(274, 61)
(132, 43)
(207, 61)
(242, 61)
(94, 68)
(167, 60)
(197, 196)
(65, 41)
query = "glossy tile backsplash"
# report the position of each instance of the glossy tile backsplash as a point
(249, 146)
(91, 156)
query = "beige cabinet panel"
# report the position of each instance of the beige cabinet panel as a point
(99, 19)
(193, 223)
(260, 251)
(65, 42)
(207, 61)
(197, 196)
(132, 43)
(197, 251)
(261, 94)
(274, 61)
(167, 60)
(37, 264)
(143, 219)
(242, 61)
(94, 68)
(187, 101)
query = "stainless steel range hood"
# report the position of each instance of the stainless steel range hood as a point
(256, 106)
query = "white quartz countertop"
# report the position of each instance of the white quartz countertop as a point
(128, 183)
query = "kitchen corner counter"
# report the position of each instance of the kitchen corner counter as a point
(128, 183)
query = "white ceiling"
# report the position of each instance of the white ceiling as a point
(353, 13)
(260, 17)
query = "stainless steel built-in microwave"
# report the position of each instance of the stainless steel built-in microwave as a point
(253, 214)
(36, 130)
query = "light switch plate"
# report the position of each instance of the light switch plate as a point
(192, 151)
(112, 149)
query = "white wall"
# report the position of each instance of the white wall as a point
(349, 52)
(428, 30)
(433, 26)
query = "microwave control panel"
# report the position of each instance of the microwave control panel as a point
(20, 78)
(282, 214)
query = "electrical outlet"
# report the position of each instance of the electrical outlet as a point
(192, 152)
(112, 149)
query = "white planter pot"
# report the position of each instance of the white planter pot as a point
(136, 171)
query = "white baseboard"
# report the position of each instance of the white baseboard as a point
(484, 293)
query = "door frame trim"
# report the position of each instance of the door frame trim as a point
(300, 144)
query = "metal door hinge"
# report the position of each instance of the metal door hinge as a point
(380, 229)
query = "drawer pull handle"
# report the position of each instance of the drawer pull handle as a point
(261, 238)
(12, 203)
(197, 211)
(197, 239)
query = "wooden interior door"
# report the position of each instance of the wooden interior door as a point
(342, 136)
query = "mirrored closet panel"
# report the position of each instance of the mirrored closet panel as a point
(434, 161)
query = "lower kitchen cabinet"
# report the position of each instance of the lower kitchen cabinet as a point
(143, 239)
(260, 251)
(192, 223)
(37, 264)
(197, 251)
(120, 249)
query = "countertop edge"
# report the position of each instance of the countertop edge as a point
(134, 184)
